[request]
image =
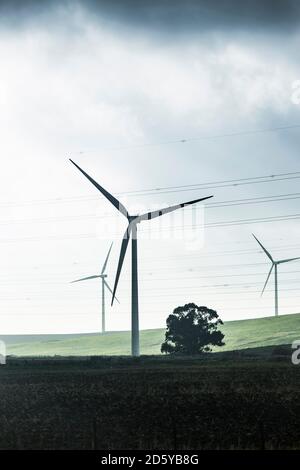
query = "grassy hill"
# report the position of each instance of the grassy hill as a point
(240, 334)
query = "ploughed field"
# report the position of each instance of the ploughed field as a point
(150, 403)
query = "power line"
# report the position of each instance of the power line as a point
(196, 138)
(178, 257)
(148, 293)
(225, 185)
(91, 314)
(234, 202)
(49, 281)
(253, 221)
(215, 184)
(229, 223)
(255, 200)
(176, 228)
(165, 288)
(166, 189)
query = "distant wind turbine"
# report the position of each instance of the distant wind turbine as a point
(274, 265)
(131, 230)
(105, 285)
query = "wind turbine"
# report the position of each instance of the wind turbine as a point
(274, 265)
(105, 285)
(131, 230)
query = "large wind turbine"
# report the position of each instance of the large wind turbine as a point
(105, 285)
(131, 230)
(274, 265)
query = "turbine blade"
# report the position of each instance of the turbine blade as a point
(118, 205)
(124, 247)
(267, 279)
(166, 210)
(287, 260)
(267, 253)
(84, 279)
(105, 262)
(110, 290)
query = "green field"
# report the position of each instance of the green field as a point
(240, 334)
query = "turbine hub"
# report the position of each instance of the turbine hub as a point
(131, 218)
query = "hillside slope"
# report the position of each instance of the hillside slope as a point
(238, 335)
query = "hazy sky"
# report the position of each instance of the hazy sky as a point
(103, 83)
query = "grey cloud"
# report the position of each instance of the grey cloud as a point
(166, 16)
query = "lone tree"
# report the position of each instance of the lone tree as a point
(191, 330)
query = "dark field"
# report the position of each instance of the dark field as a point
(150, 403)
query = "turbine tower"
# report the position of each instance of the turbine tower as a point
(131, 231)
(105, 285)
(274, 265)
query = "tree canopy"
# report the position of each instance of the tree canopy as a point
(192, 330)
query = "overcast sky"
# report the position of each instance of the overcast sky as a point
(112, 85)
